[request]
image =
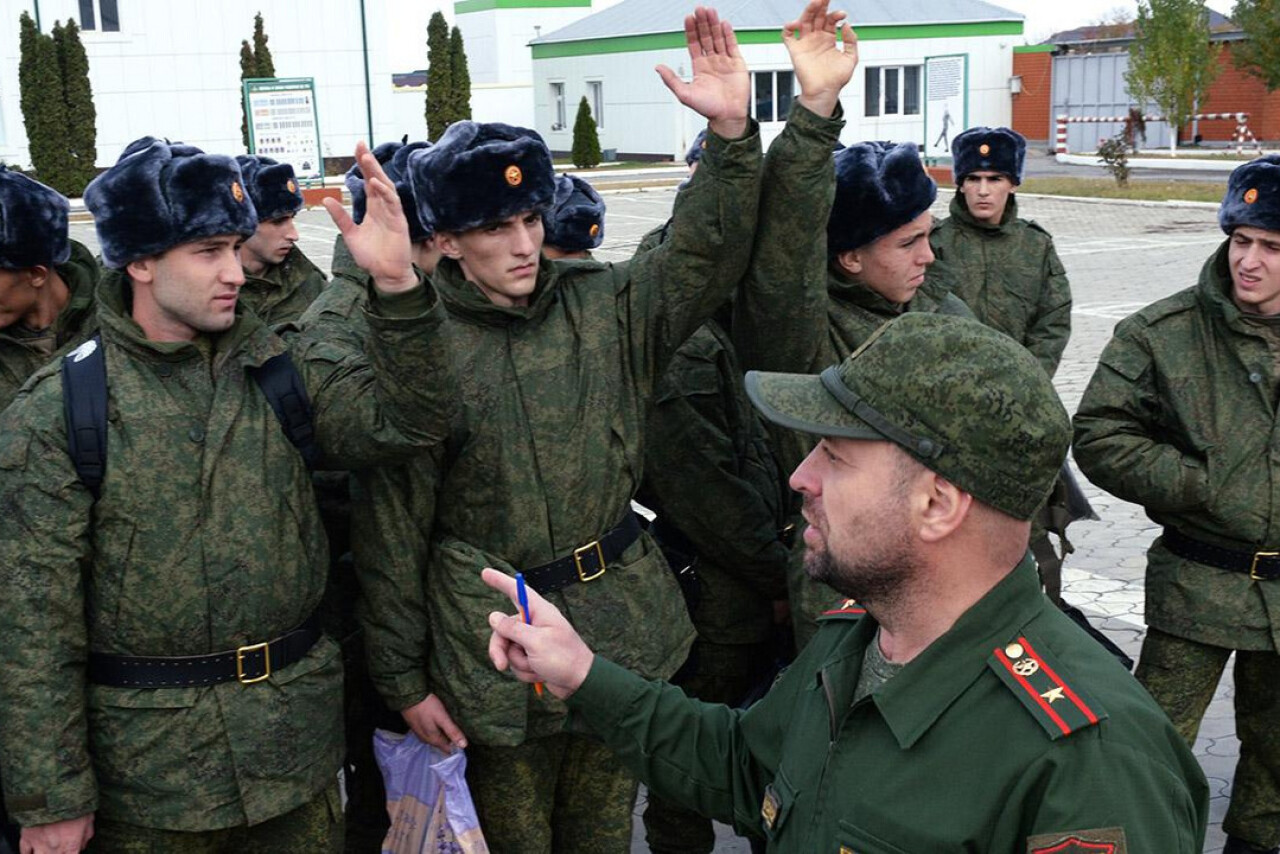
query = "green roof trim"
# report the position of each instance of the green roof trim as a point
(668, 41)
(1035, 48)
(464, 6)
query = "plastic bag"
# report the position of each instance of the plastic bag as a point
(427, 798)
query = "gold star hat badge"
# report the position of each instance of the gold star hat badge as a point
(237, 192)
(514, 176)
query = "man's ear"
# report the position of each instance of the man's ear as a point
(143, 270)
(37, 275)
(850, 261)
(447, 241)
(943, 507)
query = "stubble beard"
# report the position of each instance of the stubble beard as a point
(878, 576)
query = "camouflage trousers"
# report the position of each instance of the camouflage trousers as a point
(560, 794)
(313, 828)
(722, 673)
(1182, 676)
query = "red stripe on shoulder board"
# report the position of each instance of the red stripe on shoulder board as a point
(1032, 692)
(853, 610)
(1066, 689)
(1075, 845)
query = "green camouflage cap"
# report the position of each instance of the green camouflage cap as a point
(965, 400)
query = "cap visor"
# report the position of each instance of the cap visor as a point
(801, 402)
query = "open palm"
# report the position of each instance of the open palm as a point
(822, 68)
(720, 87)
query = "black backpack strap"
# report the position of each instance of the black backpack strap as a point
(282, 385)
(84, 405)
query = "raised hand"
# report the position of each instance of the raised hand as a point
(721, 88)
(822, 68)
(380, 243)
(546, 650)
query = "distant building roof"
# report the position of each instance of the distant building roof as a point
(646, 17)
(1220, 27)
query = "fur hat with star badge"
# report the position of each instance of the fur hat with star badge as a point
(160, 194)
(1253, 196)
(984, 149)
(272, 186)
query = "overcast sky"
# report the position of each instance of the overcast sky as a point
(1046, 17)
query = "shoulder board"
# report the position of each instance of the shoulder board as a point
(1174, 304)
(1059, 707)
(845, 609)
(1035, 226)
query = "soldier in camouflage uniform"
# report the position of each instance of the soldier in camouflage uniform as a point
(280, 282)
(574, 224)
(1003, 267)
(162, 679)
(46, 281)
(837, 291)
(721, 499)
(560, 360)
(1180, 417)
(945, 706)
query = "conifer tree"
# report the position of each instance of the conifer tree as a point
(586, 140)
(248, 69)
(43, 113)
(77, 97)
(262, 61)
(439, 112)
(461, 75)
(255, 62)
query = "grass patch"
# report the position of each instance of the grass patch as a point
(1138, 190)
(564, 164)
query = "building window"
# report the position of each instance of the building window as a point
(774, 91)
(893, 90)
(99, 14)
(595, 94)
(557, 106)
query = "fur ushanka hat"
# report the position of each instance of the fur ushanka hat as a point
(271, 185)
(161, 194)
(575, 222)
(984, 149)
(33, 223)
(1253, 196)
(880, 186)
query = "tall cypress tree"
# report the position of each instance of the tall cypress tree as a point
(43, 113)
(77, 97)
(586, 139)
(263, 63)
(439, 110)
(248, 69)
(461, 77)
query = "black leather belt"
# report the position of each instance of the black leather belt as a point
(585, 563)
(1260, 566)
(247, 664)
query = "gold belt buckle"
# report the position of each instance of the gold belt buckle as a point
(266, 662)
(1253, 567)
(577, 560)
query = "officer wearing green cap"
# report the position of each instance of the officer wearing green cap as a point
(945, 705)
(1180, 417)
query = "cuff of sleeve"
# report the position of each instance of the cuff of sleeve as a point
(77, 798)
(604, 695)
(808, 122)
(746, 146)
(406, 305)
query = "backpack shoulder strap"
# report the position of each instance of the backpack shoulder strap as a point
(281, 384)
(84, 404)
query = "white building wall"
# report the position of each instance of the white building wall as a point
(642, 117)
(173, 70)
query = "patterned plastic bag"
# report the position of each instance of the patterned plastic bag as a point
(427, 798)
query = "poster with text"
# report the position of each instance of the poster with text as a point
(283, 123)
(946, 101)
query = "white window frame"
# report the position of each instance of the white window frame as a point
(779, 115)
(97, 17)
(901, 91)
(558, 116)
(595, 96)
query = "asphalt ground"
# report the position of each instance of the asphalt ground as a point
(1120, 256)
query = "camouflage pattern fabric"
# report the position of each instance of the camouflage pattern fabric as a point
(18, 358)
(559, 794)
(1180, 417)
(1009, 274)
(206, 537)
(1182, 676)
(313, 828)
(282, 292)
(543, 458)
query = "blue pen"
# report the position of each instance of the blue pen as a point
(523, 595)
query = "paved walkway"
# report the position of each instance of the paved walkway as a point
(1120, 257)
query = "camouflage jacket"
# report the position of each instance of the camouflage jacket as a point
(1009, 275)
(711, 474)
(205, 538)
(76, 322)
(1180, 417)
(544, 457)
(283, 291)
